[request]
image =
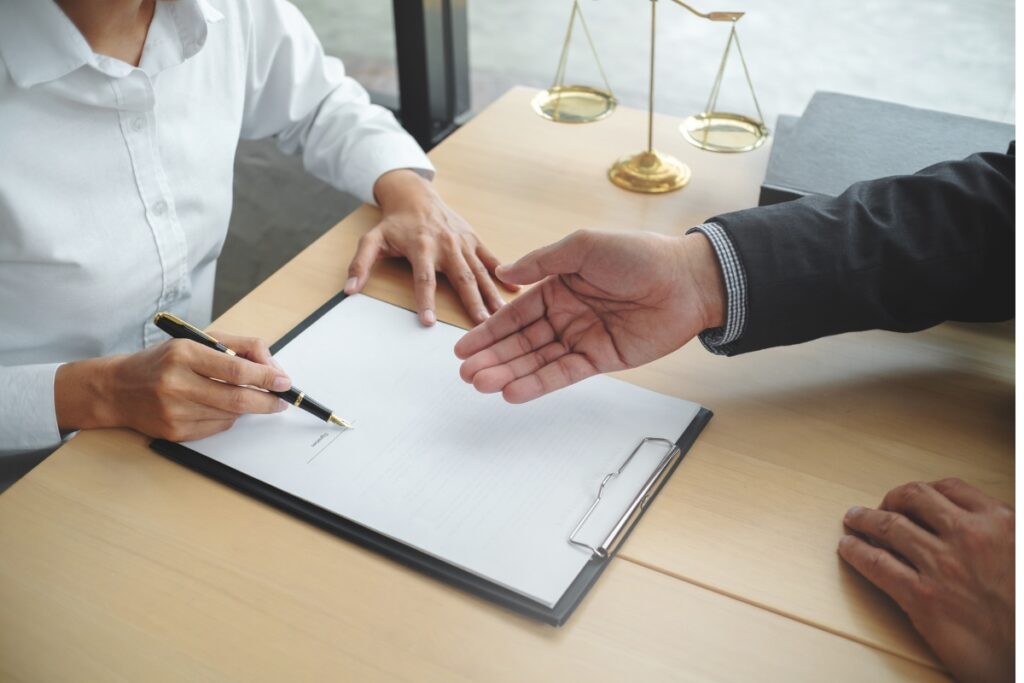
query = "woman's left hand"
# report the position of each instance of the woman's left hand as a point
(418, 225)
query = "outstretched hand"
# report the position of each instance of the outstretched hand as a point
(606, 301)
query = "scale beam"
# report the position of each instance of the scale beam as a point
(712, 16)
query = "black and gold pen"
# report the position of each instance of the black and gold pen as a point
(179, 329)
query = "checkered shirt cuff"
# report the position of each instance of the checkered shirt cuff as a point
(717, 339)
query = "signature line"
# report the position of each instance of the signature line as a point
(326, 445)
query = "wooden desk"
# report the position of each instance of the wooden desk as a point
(117, 564)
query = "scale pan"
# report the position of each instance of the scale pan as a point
(574, 103)
(723, 132)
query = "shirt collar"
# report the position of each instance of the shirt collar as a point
(38, 43)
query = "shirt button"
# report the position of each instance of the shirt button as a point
(138, 123)
(160, 208)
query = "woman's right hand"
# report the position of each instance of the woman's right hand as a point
(171, 390)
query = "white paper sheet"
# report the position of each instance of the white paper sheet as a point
(487, 486)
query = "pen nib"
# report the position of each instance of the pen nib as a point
(334, 419)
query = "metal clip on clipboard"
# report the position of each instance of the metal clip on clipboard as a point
(638, 504)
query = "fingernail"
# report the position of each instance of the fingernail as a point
(428, 317)
(482, 314)
(282, 383)
(350, 285)
(854, 511)
(281, 406)
(500, 269)
(501, 301)
(845, 540)
(273, 361)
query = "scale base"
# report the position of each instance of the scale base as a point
(649, 172)
(574, 104)
(723, 132)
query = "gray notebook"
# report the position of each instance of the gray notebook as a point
(842, 139)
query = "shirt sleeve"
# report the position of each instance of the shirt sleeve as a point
(28, 416)
(718, 339)
(304, 99)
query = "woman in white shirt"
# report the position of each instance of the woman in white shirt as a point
(118, 127)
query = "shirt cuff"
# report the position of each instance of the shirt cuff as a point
(28, 414)
(718, 339)
(374, 157)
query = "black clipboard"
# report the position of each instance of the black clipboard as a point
(428, 564)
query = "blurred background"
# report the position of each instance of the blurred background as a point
(948, 55)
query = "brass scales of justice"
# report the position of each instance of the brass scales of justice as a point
(650, 171)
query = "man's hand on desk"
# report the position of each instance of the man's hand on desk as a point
(418, 225)
(166, 392)
(606, 301)
(945, 553)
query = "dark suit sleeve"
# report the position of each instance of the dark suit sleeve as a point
(901, 253)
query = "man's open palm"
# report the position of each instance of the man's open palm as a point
(605, 302)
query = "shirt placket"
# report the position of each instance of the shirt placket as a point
(138, 125)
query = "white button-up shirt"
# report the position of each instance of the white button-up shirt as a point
(116, 181)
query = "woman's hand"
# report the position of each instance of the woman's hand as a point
(418, 225)
(170, 391)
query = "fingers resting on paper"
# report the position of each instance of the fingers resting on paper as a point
(417, 225)
(468, 266)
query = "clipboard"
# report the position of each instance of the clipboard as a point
(601, 554)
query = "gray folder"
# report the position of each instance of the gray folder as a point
(843, 139)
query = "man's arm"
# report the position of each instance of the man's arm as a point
(901, 253)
